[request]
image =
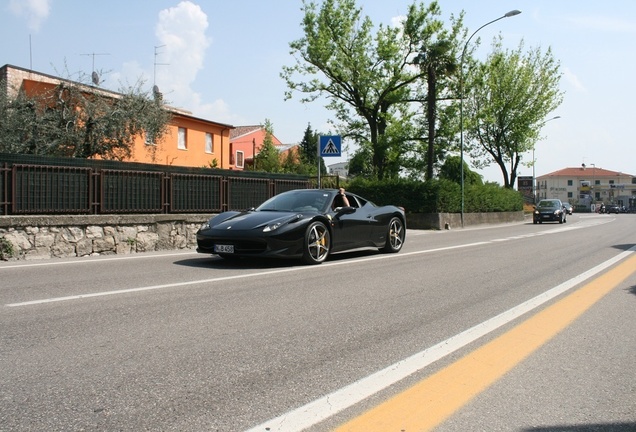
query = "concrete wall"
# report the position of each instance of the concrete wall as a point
(43, 237)
(439, 221)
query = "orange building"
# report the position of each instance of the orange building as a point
(190, 141)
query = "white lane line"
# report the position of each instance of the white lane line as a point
(321, 409)
(212, 280)
(98, 260)
(225, 278)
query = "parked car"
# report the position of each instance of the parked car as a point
(303, 223)
(612, 208)
(549, 210)
(568, 207)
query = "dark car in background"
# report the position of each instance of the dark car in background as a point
(568, 208)
(612, 208)
(549, 210)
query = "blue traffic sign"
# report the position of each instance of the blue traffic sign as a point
(330, 145)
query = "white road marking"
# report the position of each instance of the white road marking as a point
(97, 260)
(321, 409)
(249, 275)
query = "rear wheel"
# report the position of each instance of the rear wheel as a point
(317, 243)
(395, 236)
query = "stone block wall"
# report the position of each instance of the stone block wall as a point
(42, 237)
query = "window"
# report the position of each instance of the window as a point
(239, 159)
(570, 183)
(150, 139)
(570, 195)
(209, 143)
(611, 182)
(182, 144)
(597, 182)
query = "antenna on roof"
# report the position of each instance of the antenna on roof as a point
(155, 64)
(94, 74)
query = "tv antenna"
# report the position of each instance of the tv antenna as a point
(94, 74)
(155, 64)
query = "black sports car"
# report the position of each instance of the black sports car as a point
(304, 223)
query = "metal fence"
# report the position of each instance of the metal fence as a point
(32, 185)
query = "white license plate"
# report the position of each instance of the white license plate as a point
(219, 248)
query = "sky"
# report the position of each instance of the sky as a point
(222, 61)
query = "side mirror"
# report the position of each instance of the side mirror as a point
(345, 210)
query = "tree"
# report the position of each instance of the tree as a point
(72, 119)
(510, 95)
(439, 60)
(308, 152)
(268, 157)
(366, 77)
(451, 170)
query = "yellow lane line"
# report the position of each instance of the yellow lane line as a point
(431, 401)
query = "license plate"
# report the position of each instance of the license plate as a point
(219, 248)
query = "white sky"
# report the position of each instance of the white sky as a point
(222, 60)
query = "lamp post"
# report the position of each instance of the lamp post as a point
(461, 102)
(534, 193)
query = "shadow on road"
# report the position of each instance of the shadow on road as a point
(216, 262)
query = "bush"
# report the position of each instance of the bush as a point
(438, 195)
(6, 249)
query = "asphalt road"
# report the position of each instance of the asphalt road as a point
(459, 320)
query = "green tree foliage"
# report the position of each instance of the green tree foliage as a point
(439, 60)
(451, 170)
(308, 152)
(268, 157)
(76, 120)
(507, 101)
(368, 77)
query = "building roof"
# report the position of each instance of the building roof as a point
(585, 171)
(240, 131)
(39, 76)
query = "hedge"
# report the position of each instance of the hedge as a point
(438, 196)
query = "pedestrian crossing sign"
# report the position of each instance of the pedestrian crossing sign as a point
(330, 145)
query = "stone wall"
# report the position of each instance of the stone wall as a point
(42, 237)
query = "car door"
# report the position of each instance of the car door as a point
(349, 228)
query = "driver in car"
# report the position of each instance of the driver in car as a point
(340, 200)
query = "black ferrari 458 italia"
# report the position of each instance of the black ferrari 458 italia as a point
(305, 223)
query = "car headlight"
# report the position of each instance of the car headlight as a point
(272, 227)
(536, 212)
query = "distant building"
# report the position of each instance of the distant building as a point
(584, 186)
(247, 141)
(341, 169)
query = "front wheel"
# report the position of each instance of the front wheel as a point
(395, 236)
(317, 243)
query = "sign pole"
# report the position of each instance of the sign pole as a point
(318, 159)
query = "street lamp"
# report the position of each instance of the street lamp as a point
(461, 102)
(534, 193)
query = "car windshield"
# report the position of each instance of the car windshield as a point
(297, 201)
(548, 203)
